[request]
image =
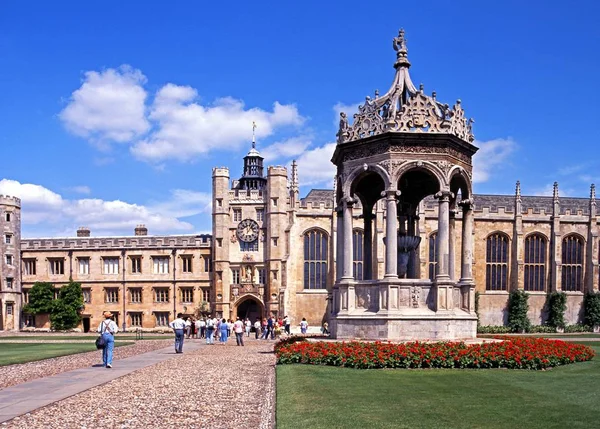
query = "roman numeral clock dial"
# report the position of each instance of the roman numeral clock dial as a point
(247, 230)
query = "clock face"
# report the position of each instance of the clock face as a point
(247, 230)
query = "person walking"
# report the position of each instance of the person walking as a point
(271, 327)
(257, 329)
(210, 330)
(248, 326)
(224, 330)
(188, 327)
(200, 325)
(238, 328)
(178, 326)
(303, 326)
(287, 322)
(108, 328)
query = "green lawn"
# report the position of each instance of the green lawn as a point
(21, 352)
(310, 397)
(81, 337)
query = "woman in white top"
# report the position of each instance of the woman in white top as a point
(108, 328)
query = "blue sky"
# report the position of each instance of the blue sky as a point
(114, 113)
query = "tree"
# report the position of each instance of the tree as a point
(517, 311)
(66, 310)
(41, 297)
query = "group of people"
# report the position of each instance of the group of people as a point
(210, 328)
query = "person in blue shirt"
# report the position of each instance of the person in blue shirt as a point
(224, 331)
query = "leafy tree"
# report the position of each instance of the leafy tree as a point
(41, 297)
(66, 310)
(592, 309)
(517, 311)
(557, 305)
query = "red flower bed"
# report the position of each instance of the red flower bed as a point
(513, 353)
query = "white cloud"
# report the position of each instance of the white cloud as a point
(81, 190)
(490, 156)
(315, 166)
(286, 149)
(348, 109)
(108, 107)
(50, 214)
(548, 190)
(186, 129)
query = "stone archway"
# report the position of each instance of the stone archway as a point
(249, 307)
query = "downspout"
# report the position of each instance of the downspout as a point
(124, 294)
(174, 253)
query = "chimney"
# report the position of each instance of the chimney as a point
(83, 231)
(141, 230)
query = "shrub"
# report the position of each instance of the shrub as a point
(591, 305)
(542, 329)
(512, 353)
(517, 311)
(489, 329)
(570, 329)
(557, 305)
(66, 310)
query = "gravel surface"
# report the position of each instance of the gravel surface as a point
(219, 386)
(11, 375)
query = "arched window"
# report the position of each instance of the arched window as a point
(357, 252)
(572, 263)
(315, 259)
(496, 262)
(535, 263)
(433, 256)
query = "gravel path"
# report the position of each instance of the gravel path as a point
(219, 386)
(14, 374)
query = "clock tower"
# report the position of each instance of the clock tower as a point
(249, 220)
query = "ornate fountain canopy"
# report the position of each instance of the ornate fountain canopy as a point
(403, 108)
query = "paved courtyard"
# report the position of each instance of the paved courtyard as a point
(218, 386)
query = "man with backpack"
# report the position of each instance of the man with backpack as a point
(210, 330)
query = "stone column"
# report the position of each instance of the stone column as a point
(411, 229)
(466, 266)
(391, 233)
(443, 237)
(451, 243)
(339, 242)
(368, 243)
(347, 231)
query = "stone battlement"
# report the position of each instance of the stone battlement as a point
(242, 195)
(140, 242)
(9, 200)
(277, 170)
(220, 172)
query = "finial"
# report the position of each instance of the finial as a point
(518, 189)
(434, 95)
(253, 135)
(593, 192)
(376, 94)
(294, 175)
(555, 191)
(421, 87)
(399, 44)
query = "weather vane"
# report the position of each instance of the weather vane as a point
(253, 136)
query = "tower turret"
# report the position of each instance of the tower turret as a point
(253, 176)
(10, 263)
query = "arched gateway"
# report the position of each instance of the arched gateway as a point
(402, 148)
(249, 307)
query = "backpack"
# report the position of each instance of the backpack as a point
(209, 323)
